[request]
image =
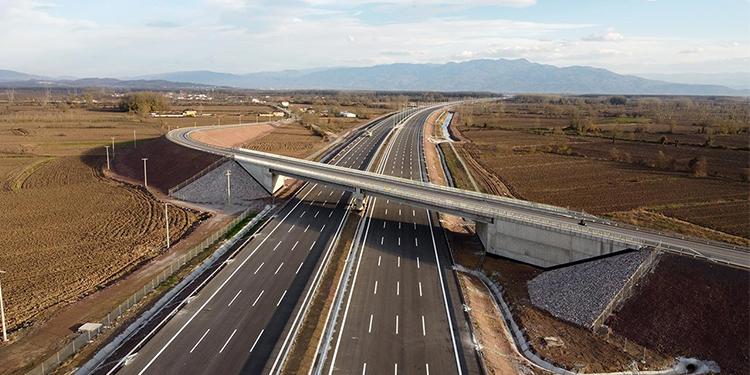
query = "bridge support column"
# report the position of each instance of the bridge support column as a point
(358, 200)
(267, 179)
(541, 245)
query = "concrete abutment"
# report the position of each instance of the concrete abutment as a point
(543, 246)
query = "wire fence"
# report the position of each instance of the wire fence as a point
(83, 338)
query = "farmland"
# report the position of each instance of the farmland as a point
(67, 230)
(58, 247)
(312, 132)
(648, 162)
(649, 317)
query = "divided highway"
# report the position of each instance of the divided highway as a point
(403, 311)
(239, 321)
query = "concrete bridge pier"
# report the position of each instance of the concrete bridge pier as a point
(270, 181)
(541, 245)
(358, 200)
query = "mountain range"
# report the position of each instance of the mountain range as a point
(500, 76)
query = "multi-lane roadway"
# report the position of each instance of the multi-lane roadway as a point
(400, 315)
(240, 321)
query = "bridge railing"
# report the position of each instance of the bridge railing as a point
(462, 194)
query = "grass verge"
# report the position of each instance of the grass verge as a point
(460, 178)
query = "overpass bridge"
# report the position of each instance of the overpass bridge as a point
(537, 234)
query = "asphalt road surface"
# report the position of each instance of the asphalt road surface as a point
(238, 322)
(403, 311)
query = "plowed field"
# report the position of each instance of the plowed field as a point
(68, 231)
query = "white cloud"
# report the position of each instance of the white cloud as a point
(692, 50)
(609, 36)
(246, 35)
(353, 3)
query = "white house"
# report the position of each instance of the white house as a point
(347, 114)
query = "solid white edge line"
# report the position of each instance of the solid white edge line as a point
(351, 291)
(284, 345)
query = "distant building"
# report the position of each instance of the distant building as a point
(254, 100)
(278, 114)
(285, 104)
(190, 113)
(347, 114)
(265, 114)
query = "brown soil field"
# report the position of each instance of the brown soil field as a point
(68, 232)
(55, 254)
(290, 139)
(330, 122)
(236, 137)
(712, 316)
(35, 130)
(163, 173)
(528, 151)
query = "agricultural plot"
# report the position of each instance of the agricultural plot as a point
(654, 173)
(691, 308)
(68, 231)
(288, 139)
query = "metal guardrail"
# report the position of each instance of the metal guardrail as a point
(82, 339)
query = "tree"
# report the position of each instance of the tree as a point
(618, 100)
(144, 103)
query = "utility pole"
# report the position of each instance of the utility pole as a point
(145, 176)
(135, 144)
(229, 187)
(2, 312)
(166, 221)
(240, 119)
(106, 148)
(113, 147)
(257, 118)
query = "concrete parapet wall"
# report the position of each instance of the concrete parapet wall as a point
(542, 246)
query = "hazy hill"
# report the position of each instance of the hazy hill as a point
(10, 75)
(477, 75)
(500, 76)
(735, 80)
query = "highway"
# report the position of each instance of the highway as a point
(473, 205)
(239, 322)
(400, 315)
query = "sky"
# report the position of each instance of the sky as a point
(114, 38)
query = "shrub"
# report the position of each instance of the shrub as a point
(698, 166)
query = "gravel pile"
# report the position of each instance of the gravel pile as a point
(579, 293)
(212, 187)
